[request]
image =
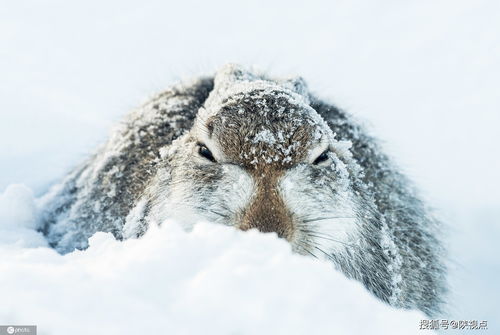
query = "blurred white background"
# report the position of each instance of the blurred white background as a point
(423, 75)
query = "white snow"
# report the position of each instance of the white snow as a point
(264, 136)
(18, 218)
(214, 279)
(424, 74)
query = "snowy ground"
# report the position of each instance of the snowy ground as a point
(213, 280)
(423, 74)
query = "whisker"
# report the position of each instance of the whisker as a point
(220, 214)
(310, 253)
(303, 248)
(317, 234)
(324, 253)
(331, 239)
(307, 231)
(327, 218)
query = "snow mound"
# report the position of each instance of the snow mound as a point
(213, 279)
(18, 218)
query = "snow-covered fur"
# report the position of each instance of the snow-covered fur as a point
(248, 151)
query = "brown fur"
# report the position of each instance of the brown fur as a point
(265, 162)
(267, 211)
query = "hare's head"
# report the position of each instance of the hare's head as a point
(258, 156)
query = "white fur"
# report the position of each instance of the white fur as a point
(232, 195)
(308, 200)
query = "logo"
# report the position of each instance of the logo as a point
(17, 330)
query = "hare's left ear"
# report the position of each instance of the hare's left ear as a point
(231, 73)
(296, 84)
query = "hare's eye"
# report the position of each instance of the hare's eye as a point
(204, 152)
(321, 158)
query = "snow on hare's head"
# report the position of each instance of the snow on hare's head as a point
(258, 156)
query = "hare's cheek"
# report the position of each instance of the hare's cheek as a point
(235, 189)
(324, 214)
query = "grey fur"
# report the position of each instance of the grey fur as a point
(147, 172)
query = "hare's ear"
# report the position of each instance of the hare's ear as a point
(232, 73)
(296, 84)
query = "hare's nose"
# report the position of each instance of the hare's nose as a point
(267, 212)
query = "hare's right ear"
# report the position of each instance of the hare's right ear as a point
(225, 79)
(231, 73)
(296, 84)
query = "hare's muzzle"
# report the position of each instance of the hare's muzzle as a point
(267, 211)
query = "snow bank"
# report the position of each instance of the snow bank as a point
(213, 279)
(18, 218)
